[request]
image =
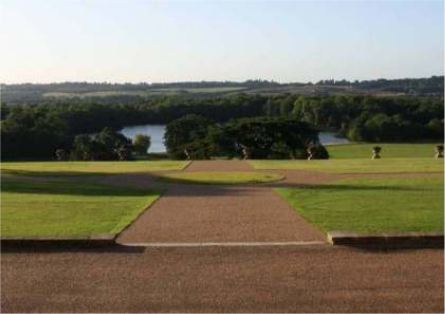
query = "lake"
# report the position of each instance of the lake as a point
(157, 136)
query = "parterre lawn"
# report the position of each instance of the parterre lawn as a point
(355, 165)
(68, 209)
(372, 205)
(389, 150)
(81, 168)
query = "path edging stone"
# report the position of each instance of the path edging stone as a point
(93, 240)
(388, 239)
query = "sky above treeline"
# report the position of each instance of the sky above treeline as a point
(168, 41)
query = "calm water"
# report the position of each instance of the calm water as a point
(157, 136)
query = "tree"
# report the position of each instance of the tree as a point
(83, 148)
(107, 145)
(141, 143)
(187, 134)
(262, 138)
(110, 143)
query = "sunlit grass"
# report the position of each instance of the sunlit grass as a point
(67, 168)
(355, 165)
(68, 209)
(372, 205)
(389, 150)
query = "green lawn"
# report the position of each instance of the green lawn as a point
(221, 177)
(64, 168)
(355, 165)
(391, 150)
(372, 205)
(68, 209)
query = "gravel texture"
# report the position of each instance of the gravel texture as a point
(317, 278)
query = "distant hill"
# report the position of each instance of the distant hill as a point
(34, 93)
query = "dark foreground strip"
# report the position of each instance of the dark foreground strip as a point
(388, 240)
(101, 239)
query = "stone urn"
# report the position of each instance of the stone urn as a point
(376, 152)
(439, 151)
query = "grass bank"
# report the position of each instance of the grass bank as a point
(389, 150)
(68, 209)
(355, 165)
(81, 168)
(225, 177)
(372, 205)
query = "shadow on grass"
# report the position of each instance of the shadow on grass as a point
(53, 174)
(144, 184)
(72, 188)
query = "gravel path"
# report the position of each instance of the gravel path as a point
(256, 279)
(205, 213)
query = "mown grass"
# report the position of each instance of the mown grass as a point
(355, 165)
(68, 209)
(389, 150)
(221, 177)
(81, 168)
(372, 205)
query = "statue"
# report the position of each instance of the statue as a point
(439, 151)
(61, 155)
(187, 153)
(310, 153)
(246, 152)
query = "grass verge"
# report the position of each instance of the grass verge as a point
(389, 150)
(82, 168)
(221, 177)
(372, 205)
(355, 165)
(68, 209)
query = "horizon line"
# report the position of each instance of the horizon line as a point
(215, 81)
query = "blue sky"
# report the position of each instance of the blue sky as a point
(162, 40)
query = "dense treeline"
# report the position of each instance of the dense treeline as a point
(367, 118)
(35, 93)
(126, 93)
(36, 131)
(432, 85)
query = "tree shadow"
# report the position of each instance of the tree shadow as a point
(52, 174)
(73, 188)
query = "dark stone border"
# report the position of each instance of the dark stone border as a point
(387, 240)
(94, 240)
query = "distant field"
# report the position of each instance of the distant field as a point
(355, 165)
(372, 205)
(68, 209)
(148, 92)
(350, 151)
(226, 177)
(66, 168)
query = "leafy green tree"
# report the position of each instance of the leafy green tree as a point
(185, 136)
(261, 138)
(84, 148)
(141, 143)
